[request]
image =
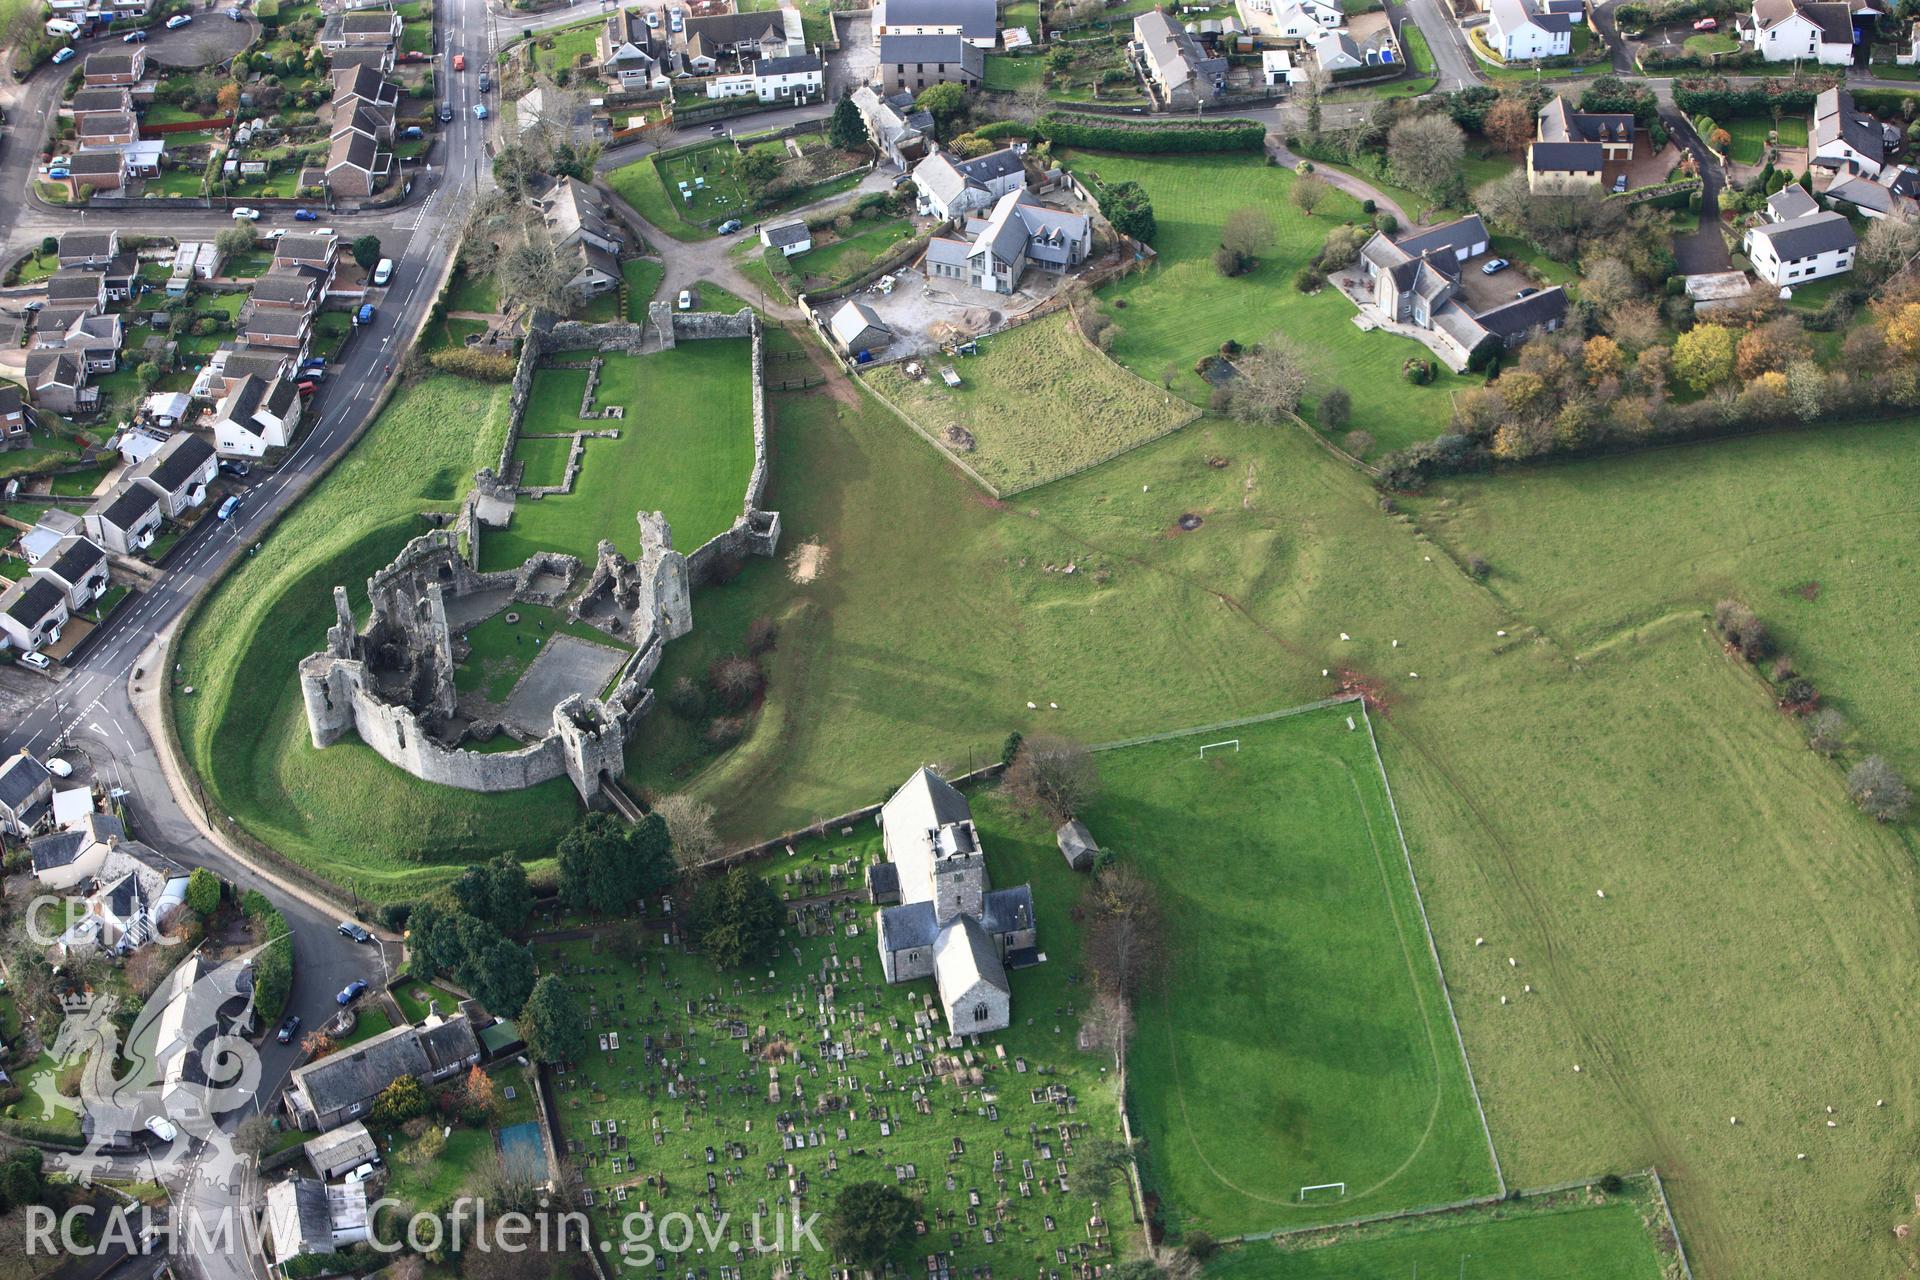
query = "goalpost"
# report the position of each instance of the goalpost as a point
(1338, 1188)
(1230, 742)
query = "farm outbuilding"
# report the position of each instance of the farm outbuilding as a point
(858, 329)
(1076, 845)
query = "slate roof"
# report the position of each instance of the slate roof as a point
(88, 163)
(1007, 910)
(975, 18)
(275, 324)
(1172, 51)
(31, 599)
(130, 505)
(1567, 157)
(883, 881)
(964, 954)
(285, 285)
(54, 368)
(344, 1147)
(898, 50)
(798, 64)
(356, 1075)
(20, 777)
(115, 97)
(1837, 120)
(1805, 237)
(1518, 318)
(75, 286)
(352, 149)
(1075, 841)
(109, 63)
(908, 926)
(12, 398)
(298, 1218)
(1790, 202)
(58, 849)
(73, 558)
(1462, 233)
(851, 321)
(787, 233)
(179, 460)
(86, 244)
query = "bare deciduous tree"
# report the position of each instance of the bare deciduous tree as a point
(1879, 790)
(1510, 123)
(1271, 380)
(1426, 153)
(1309, 193)
(1886, 246)
(1054, 775)
(1125, 942)
(690, 827)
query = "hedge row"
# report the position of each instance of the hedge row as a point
(273, 971)
(1719, 97)
(1213, 135)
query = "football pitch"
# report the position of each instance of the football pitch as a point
(1300, 1037)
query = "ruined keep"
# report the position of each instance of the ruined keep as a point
(392, 681)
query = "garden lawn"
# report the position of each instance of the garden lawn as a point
(45, 453)
(685, 448)
(1749, 133)
(1006, 73)
(1040, 402)
(1182, 308)
(471, 291)
(502, 651)
(622, 980)
(642, 277)
(863, 244)
(640, 186)
(569, 43)
(343, 812)
(428, 1184)
(1581, 1236)
(413, 996)
(369, 1021)
(1366, 1085)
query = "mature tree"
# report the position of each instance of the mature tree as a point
(1341, 248)
(1247, 233)
(1054, 775)
(535, 274)
(970, 146)
(1125, 943)
(203, 892)
(1741, 627)
(1309, 193)
(607, 867)
(1510, 123)
(1271, 380)
(317, 1045)
(690, 827)
(1879, 790)
(1608, 283)
(148, 373)
(1827, 731)
(399, 1102)
(1703, 356)
(736, 680)
(946, 103)
(1886, 247)
(1128, 208)
(734, 917)
(500, 974)
(759, 168)
(366, 251)
(868, 1223)
(228, 98)
(1335, 409)
(845, 129)
(1807, 389)
(234, 241)
(255, 1136)
(1770, 347)
(478, 1088)
(497, 892)
(1103, 1161)
(552, 1023)
(1309, 93)
(1425, 153)
(1602, 358)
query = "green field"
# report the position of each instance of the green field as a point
(344, 811)
(501, 651)
(1582, 1236)
(651, 186)
(1006, 73)
(1182, 308)
(1040, 403)
(1248, 1087)
(685, 448)
(1749, 133)
(623, 978)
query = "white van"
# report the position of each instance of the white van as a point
(383, 272)
(61, 27)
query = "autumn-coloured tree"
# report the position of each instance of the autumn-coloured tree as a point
(1703, 357)
(1601, 358)
(317, 1045)
(1509, 124)
(228, 98)
(479, 1090)
(1770, 347)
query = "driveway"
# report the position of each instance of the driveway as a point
(1706, 249)
(210, 39)
(852, 66)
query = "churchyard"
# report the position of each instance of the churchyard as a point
(684, 447)
(744, 1092)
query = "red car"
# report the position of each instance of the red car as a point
(1707, 24)
(459, 62)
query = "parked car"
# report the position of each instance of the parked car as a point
(162, 1128)
(359, 1174)
(1620, 184)
(58, 768)
(313, 362)
(248, 214)
(178, 20)
(235, 467)
(288, 1029)
(411, 132)
(1495, 267)
(305, 215)
(730, 226)
(61, 27)
(686, 299)
(446, 113)
(227, 508)
(479, 111)
(57, 172)
(383, 272)
(351, 992)
(459, 62)
(348, 929)
(305, 387)
(486, 82)
(38, 661)
(1525, 293)
(134, 37)
(1707, 24)
(653, 19)
(365, 314)
(65, 55)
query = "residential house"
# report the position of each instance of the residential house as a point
(575, 213)
(946, 921)
(360, 84)
(630, 54)
(948, 187)
(256, 415)
(321, 252)
(1792, 251)
(1269, 20)
(373, 28)
(378, 58)
(1845, 138)
(230, 364)
(126, 518)
(1572, 148)
(899, 130)
(15, 425)
(341, 1087)
(26, 795)
(1415, 281)
(790, 79)
(93, 339)
(179, 473)
(288, 331)
(54, 524)
(1819, 31)
(594, 270)
(1173, 64)
(103, 169)
(361, 116)
(1335, 51)
(78, 566)
(289, 289)
(912, 63)
(858, 329)
(357, 165)
(135, 893)
(341, 1150)
(103, 98)
(790, 238)
(32, 611)
(976, 20)
(84, 290)
(1868, 198)
(122, 274)
(1277, 68)
(97, 130)
(1518, 33)
(57, 383)
(126, 65)
(1561, 168)
(309, 1217)
(1613, 132)
(706, 44)
(569, 116)
(1019, 232)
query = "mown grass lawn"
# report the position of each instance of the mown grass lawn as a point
(1006, 73)
(1039, 401)
(1182, 308)
(642, 277)
(639, 185)
(685, 448)
(1749, 133)
(1578, 1236)
(1237, 1115)
(472, 291)
(501, 651)
(636, 1003)
(369, 1021)
(414, 996)
(424, 1183)
(344, 812)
